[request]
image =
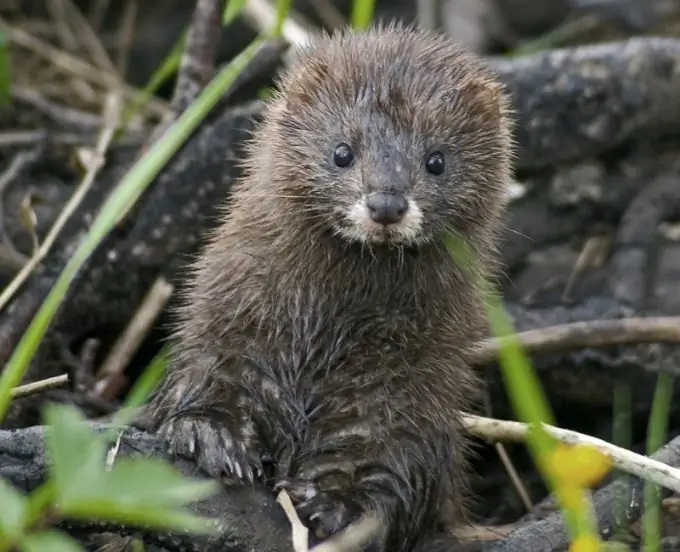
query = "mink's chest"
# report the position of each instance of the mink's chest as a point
(343, 332)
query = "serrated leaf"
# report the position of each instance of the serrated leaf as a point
(75, 452)
(54, 541)
(141, 481)
(140, 515)
(12, 510)
(153, 480)
(232, 10)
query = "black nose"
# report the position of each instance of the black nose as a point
(386, 208)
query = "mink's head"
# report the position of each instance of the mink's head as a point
(391, 136)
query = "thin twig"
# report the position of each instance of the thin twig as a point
(90, 39)
(514, 476)
(111, 121)
(262, 16)
(330, 15)
(197, 64)
(578, 335)
(126, 35)
(128, 343)
(76, 66)
(39, 386)
(17, 165)
(58, 113)
(593, 255)
(299, 531)
(624, 460)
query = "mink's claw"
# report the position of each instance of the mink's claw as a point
(213, 448)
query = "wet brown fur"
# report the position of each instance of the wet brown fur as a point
(298, 352)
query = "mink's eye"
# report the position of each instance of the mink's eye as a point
(435, 163)
(343, 155)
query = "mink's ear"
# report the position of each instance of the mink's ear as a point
(303, 82)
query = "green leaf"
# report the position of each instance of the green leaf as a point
(12, 511)
(166, 69)
(143, 492)
(232, 10)
(144, 481)
(137, 490)
(76, 453)
(141, 515)
(52, 541)
(5, 72)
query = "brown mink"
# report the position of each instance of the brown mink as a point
(321, 343)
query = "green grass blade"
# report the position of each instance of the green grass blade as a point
(141, 390)
(5, 71)
(172, 60)
(282, 11)
(132, 185)
(167, 68)
(362, 13)
(232, 10)
(656, 437)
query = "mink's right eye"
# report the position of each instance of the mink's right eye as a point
(343, 155)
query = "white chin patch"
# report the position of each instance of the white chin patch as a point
(364, 229)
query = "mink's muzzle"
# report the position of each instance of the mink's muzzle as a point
(386, 207)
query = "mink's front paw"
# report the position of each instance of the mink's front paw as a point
(214, 448)
(323, 512)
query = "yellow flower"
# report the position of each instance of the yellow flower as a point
(579, 465)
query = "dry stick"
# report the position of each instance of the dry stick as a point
(593, 255)
(329, 13)
(515, 479)
(197, 64)
(625, 460)
(132, 337)
(577, 335)
(126, 36)
(58, 113)
(262, 15)
(111, 121)
(514, 476)
(90, 39)
(299, 531)
(76, 66)
(39, 386)
(19, 162)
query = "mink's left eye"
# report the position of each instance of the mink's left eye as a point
(434, 164)
(343, 155)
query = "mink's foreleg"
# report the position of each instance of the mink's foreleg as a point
(198, 414)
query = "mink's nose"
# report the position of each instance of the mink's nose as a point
(386, 208)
